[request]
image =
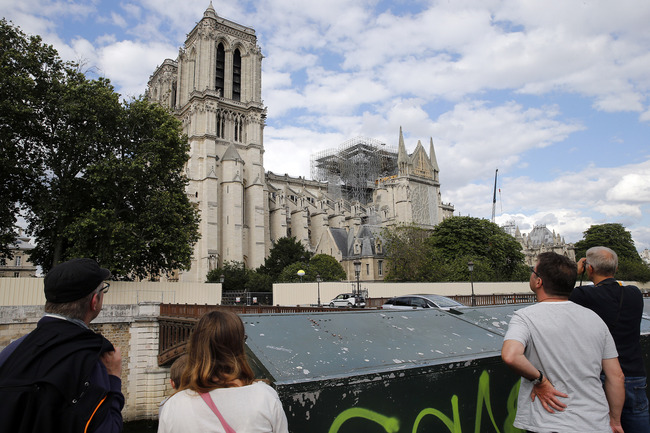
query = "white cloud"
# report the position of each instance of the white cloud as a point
(118, 20)
(129, 64)
(634, 187)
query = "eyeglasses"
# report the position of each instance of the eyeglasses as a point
(532, 269)
(104, 289)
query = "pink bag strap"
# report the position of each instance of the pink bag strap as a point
(208, 400)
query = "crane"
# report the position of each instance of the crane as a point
(494, 198)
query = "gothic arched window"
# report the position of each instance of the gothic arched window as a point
(221, 124)
(236, 75)
(239, 129)
(220, 70)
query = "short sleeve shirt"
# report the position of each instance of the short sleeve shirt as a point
(567, 343)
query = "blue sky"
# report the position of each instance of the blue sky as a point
(554, 94)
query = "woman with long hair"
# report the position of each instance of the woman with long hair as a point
(218, 391)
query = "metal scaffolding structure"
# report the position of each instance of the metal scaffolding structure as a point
(352, 168)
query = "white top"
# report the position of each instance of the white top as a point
(567, 343)
(254, 408)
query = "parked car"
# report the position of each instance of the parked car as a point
(348, 300)
(409, 302)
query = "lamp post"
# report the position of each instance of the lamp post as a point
(222, 278)
(301, 274)
(470, 266)
(357, 273)
(318, 280)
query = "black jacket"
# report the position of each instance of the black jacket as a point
(44, 383)
(621, 308)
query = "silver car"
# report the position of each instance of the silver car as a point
(410, 302)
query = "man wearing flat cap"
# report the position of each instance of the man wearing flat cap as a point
(63, 376)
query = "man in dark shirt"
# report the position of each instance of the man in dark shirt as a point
(63, 377)
(621, 308)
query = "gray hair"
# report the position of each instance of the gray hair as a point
(74, 310)
(604, 260)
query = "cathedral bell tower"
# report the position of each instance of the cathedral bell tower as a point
(215, 88)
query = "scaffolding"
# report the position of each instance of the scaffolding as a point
(352, 168)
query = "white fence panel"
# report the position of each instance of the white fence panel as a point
(29, 291)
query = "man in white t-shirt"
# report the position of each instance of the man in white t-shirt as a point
(560, 348)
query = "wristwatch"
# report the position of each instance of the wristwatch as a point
(539, 379)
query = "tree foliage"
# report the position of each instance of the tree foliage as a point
(415, 254)
(235, 276)
(610, 235)
(614, 236)
(140, 204)
(290, 273)
(323, 265)
(496, 255)
(327, 267)
(408, 254)
(28, 70)
(284, 251)
(98, 178)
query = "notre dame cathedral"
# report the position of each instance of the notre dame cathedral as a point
(214, 88)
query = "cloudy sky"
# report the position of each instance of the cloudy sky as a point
(554, 94)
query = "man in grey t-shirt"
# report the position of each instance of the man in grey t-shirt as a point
(559, 348)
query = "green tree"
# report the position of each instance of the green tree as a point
(141, 222)
(259, 282)
(611, 235)
(235, 275)
(290, 273)
(324, 265)
(94, 177)
(614, 236)
(496, 255)
(408, 255)
(284, 251)
(82, 117)
(327, 267)
(28, 70)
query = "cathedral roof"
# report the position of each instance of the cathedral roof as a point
(231, 154)
(340, 236)
(540, 235)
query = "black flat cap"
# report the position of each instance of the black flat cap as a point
(73, 280)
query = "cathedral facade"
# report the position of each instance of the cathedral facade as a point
(214, 88)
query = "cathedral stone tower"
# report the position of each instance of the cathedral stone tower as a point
(215, 88)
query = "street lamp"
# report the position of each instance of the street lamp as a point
(301, 274)
(357, 273)
(470, 266)
(318, 280)
(222, 278)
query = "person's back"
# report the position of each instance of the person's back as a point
(559, 349)
(569, 348)
(63, 376)
(218, 387)
(253, 408)
(621, 308)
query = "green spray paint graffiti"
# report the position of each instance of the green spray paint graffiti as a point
(391, 425)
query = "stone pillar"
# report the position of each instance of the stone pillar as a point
(146, 383)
